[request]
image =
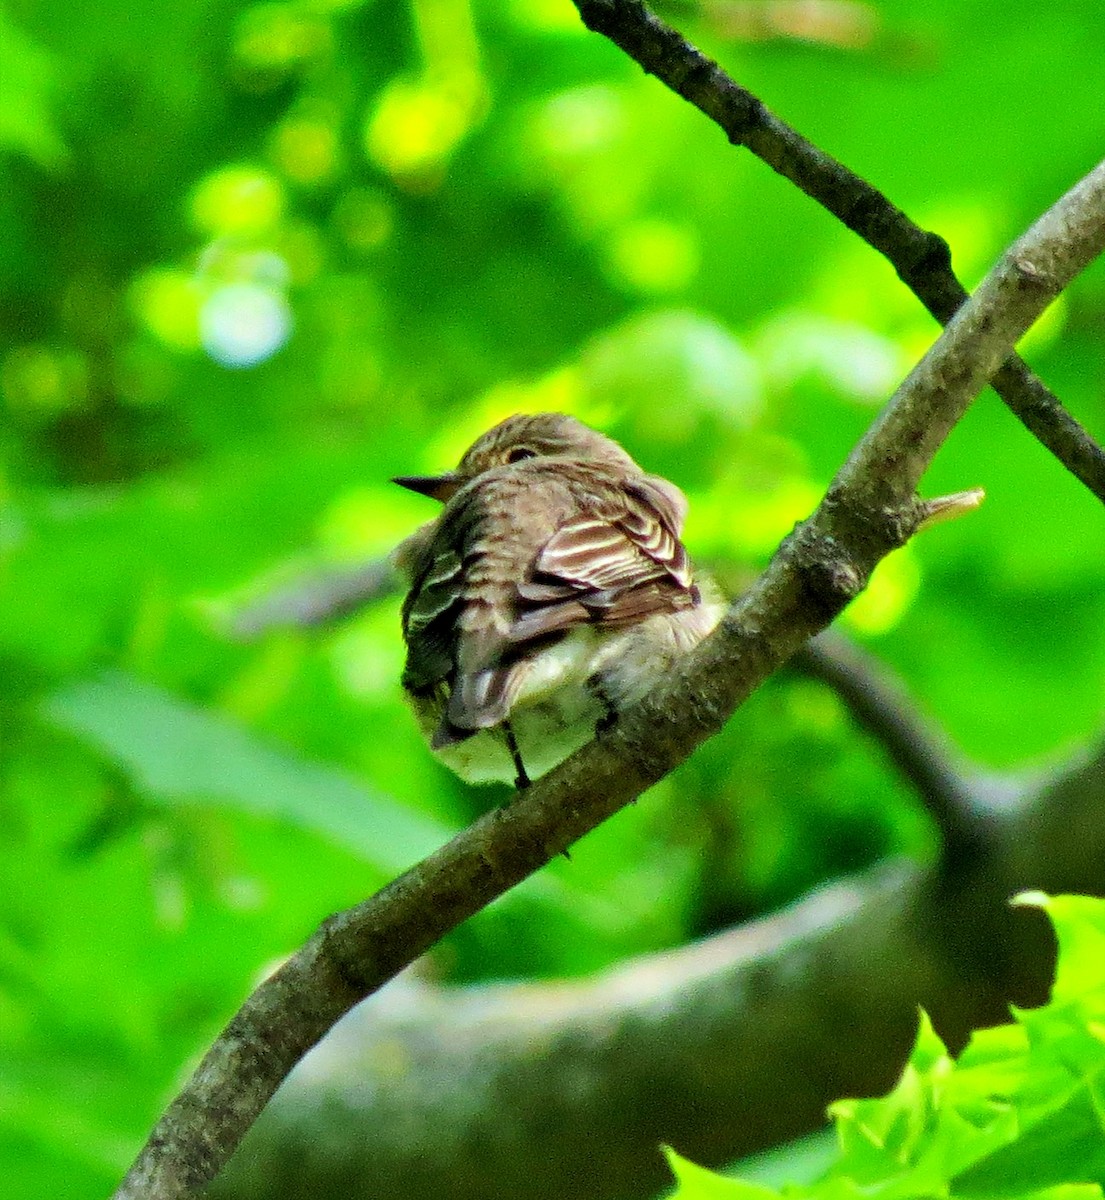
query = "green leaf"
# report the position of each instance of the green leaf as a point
(697, 1183)
(881, 1137)
(1080, 927)
(177, 754)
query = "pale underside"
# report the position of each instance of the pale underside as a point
(569, 688)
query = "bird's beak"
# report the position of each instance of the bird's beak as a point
(437, 487)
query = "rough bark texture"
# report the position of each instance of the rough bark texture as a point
(722, 1048)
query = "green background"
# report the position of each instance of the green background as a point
(255, 260)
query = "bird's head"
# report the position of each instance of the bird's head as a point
(526, 435)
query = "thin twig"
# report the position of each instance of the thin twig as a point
(922, 259)
(870, 508)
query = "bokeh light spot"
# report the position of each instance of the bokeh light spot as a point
(39, 381)
(281, 36)
(306, 149)
(415, 127)
(654, 257)
(734, 520)
(243, 324)
(167, 301)
(671, 367)
(580, 121)
(365, 522)
(852, 360)
(890, 592)
(239, 201)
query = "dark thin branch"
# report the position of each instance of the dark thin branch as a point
(921, 259)
(870, 508)
(879, 704)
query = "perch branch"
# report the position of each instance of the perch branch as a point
(870, 508)
(721, 1048)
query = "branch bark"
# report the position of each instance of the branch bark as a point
(921, 259)
(870, 508)
(313, 598)
(721, 1048)
(686, 1047)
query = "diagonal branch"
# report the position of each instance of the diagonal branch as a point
(870, 508)
(922, 259)
(721, 1048)
(312, 598)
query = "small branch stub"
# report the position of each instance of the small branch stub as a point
(948, 508)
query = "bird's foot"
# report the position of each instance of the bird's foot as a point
(522, 780)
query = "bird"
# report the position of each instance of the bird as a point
(552, 590)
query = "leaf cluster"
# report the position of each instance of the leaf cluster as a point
(1018, 1115)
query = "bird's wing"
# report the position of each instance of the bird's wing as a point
(429, 617)
(612, 565)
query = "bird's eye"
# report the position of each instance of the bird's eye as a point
(520, 452)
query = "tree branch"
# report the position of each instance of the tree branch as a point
(870, 508)
(687, 1046)
(311, 599)
(921, 754)
(921, 259)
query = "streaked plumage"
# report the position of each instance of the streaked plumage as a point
(552, 590)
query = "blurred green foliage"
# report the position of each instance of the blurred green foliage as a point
(257, 258)
(1018, 1116)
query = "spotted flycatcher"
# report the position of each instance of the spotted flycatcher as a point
(551, 591)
